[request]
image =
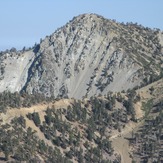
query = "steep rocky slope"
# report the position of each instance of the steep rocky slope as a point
(88, 56)
(14, 70)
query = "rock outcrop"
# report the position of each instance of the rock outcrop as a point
(88, 56)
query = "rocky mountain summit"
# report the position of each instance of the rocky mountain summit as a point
(88, 56)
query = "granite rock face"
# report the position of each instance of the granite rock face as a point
(88, 56)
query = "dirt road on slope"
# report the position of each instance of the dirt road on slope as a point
(40, 108)
(121, 147)
(14, 112)
(121, 144)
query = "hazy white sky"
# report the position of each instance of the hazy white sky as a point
(24, 22)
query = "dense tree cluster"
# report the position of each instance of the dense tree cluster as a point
(21, 144)
(148, 140)
(17, 100)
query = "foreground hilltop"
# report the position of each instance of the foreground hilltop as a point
(121, 127)
(88, 56)
(65, 130)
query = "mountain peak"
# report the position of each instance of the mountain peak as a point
(88, 56)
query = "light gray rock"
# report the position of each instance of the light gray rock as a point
(88, 56)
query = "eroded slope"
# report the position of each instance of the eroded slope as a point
(88, 56)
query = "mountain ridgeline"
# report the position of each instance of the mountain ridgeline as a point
(88, 56)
